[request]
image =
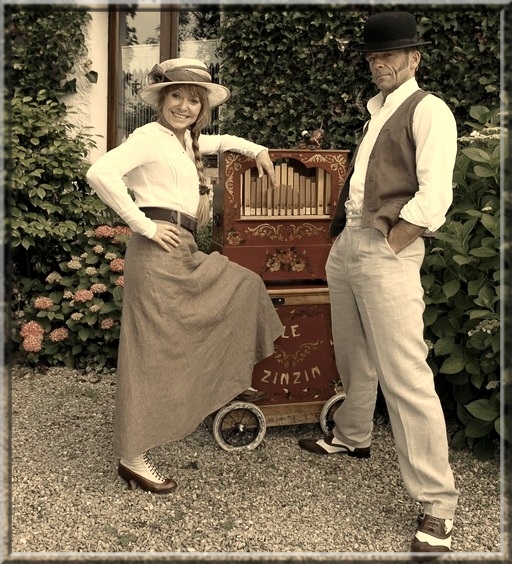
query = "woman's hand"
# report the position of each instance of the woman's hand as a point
(167, 236)
(264, 163)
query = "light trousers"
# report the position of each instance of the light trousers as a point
(377, 323)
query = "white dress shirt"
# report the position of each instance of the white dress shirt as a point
(435, 134)
(158, 171)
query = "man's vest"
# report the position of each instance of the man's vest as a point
(391, 179)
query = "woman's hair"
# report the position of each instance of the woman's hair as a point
(203, 121)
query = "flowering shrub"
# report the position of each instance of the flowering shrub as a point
(461, 277)
(74, 317)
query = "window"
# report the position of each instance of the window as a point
(138, 39)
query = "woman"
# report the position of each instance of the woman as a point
(193, 324)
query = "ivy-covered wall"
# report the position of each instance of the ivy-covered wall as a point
(291, 71)
(49, 201)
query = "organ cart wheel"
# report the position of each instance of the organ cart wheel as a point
(239, 425)
(328, 410)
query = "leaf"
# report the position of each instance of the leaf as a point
(484, 449)
(497, 428)
(444, 346)
(477, 155)
(108, 307)
(451, 288)
(478, 379)
(491, 223)
(482, 409)
(459, 440)
(92, 76)
(458, 380)
(83, 333)
(473, 368)
(477, 428)
(462, 260)
(452, 366)
(478, 111)
(483, 252)
(484, 172)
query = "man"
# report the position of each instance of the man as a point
(398, 188)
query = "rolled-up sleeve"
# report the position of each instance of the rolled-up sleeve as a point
(209, 144)
(435, 134)
(106, 179)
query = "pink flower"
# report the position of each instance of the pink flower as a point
(60, 334)
(117, 265)
(104, 231)
(32, 329)
(122, 230)
(119, 231)
(32, 343)
(107, 323)
(83, 296)
(119, 281)
(43, 302)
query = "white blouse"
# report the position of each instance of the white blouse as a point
(153, 165)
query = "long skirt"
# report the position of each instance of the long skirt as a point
(193, 327)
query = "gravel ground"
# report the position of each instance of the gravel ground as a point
(67, 497)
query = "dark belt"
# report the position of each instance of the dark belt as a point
(172, 216)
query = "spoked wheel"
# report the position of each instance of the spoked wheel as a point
(239, 425)
(328, 411)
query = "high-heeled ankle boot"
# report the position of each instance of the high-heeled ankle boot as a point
(143, 472)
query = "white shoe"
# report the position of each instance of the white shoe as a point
(142, 471)
(143, 466)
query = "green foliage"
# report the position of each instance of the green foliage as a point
(50, 199)
(45, 47)
(77, 308)
(204, 238)
(49, 202)
(305, 74)
(461, 277)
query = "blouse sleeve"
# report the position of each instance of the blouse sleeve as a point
(106, 178)
(209, 144)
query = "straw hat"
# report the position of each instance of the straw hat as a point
(182, 71)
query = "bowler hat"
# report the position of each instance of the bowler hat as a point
(389, 31)
(182, 71)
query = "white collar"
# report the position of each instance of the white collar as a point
(393, 99)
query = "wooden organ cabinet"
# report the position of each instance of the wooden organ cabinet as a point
(282, 234)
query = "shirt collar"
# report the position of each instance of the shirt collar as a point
(395, 98)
